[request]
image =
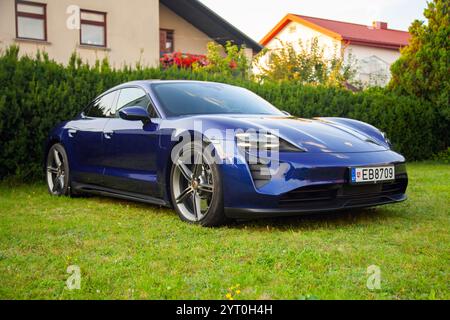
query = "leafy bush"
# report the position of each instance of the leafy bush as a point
(229, 60)
(304, 63)
(443, 156)
(37, 93)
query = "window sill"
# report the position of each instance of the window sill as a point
(36, 41)
(86, 46)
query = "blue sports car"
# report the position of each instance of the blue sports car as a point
(216, 152)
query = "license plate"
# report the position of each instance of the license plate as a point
(372, 174)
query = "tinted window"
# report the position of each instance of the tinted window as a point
(133, 97)
(102, 107)
(191, 98)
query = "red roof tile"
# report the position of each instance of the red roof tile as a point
(350, 32)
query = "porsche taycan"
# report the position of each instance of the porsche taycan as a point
(216, 152)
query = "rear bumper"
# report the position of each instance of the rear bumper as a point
(338, 205)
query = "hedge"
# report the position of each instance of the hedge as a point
(37, 93)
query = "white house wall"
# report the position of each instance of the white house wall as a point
(294, 32)
(361, 52)
(382, 60)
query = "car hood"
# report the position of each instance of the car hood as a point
(316, 135)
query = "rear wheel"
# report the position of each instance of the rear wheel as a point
(196, 187)
(58, 171)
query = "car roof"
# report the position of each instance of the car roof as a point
(146, 83)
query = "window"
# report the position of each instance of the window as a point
(186, 98)
(93, 28)
(31, 20)
(133, 97)
(102, 107)
(166, 41)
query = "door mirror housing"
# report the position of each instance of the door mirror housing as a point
(134, 114)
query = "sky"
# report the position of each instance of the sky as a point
(257, 17)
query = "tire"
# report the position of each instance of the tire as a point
(204, 190)
(57, 171)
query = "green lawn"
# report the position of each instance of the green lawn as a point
(134, 251)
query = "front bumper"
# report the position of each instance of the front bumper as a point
(244, 213)
(311, 183)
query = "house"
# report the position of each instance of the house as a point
(124, 31)
(373, 48)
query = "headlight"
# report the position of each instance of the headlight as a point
(386, 139)
(264, 142)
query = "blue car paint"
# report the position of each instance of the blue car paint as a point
(302, 170)
(131, 156)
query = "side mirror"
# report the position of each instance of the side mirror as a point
(134, 114)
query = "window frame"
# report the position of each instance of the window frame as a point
(91, 104)
(173, 40)
(31, 15)
(103, 24)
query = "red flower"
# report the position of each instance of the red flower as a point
(182, 60)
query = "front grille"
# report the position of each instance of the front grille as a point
(324, 195)
(309, 194)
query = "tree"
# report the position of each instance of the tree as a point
(423, 69)
(304, 64)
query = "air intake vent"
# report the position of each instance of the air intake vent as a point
(260, 174)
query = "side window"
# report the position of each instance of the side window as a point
(132, 97)
(102, 107)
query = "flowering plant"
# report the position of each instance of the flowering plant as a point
(182, 60)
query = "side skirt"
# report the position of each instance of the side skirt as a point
(101, 191)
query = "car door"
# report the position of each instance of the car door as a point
(85, 139)
(132, 147)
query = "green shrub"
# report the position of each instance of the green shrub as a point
(37, 93)
(443, 156)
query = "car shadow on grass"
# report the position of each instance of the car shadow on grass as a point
(329, 220)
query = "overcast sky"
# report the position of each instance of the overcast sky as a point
(257, 17)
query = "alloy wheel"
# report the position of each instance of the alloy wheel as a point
(56, 172)
(193, 186)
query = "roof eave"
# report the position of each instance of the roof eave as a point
(294, 18)
(228, 28)
(384, 45)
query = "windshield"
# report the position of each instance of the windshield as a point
(196, 98)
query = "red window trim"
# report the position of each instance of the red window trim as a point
(94, 23)
(31, 15)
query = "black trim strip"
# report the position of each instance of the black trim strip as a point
(246, 213)
(92, 189)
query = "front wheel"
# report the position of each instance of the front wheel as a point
(196, 187)
(57, 171)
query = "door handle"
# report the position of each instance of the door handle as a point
(72, 133)
(108, 135)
